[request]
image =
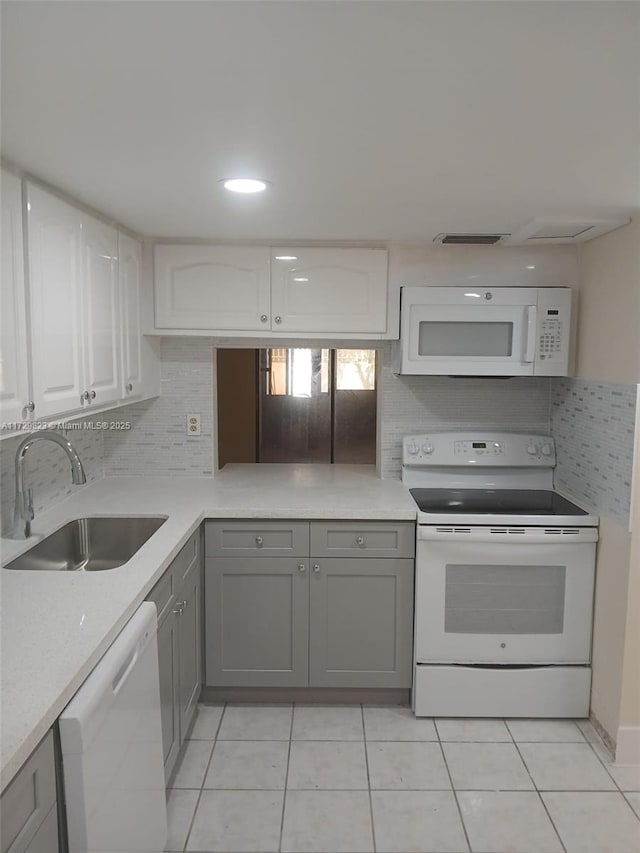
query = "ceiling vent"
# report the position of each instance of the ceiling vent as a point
(469, 239)
(548, 229)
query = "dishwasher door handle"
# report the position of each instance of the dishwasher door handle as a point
(125, 671)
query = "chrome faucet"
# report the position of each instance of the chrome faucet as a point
(23, 513)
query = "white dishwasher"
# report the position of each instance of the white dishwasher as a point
(111, 739)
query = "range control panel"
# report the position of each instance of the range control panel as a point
(479, 449)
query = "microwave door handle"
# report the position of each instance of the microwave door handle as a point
(532, 322)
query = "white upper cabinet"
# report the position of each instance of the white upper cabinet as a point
(74, 308)
(255, 291)
(140, 364)
(101, 315)
(329, 291)
(212, 287)
(55, 290)
(130, 265)
(14, 368)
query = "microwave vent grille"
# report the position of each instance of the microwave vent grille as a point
(469, 239)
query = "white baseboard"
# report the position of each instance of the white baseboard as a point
(628, 745)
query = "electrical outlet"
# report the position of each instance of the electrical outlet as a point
(193, 424)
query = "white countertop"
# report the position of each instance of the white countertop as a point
(55, 626)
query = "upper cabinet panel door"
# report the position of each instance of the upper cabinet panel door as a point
(212, 287)
(55, 284)
(14, 375)
(101, 312)
(129, 270)
(329, 290)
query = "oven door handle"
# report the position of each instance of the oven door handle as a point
(521, 536)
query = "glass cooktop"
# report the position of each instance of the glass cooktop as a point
(494, 502)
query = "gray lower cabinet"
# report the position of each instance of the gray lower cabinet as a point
(361, 622)
(169, 686)
(28, 806)
(338, 614)
(257, 621)
(190, 644)
(178, 598)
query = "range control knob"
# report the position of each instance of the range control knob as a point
(532, 449)
(412, 448)
(546, 450)
(427, 448)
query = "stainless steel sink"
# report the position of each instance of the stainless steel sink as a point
(90, 544)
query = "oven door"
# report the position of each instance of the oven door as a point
(504, 596)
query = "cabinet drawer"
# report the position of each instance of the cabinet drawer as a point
(255, 538)
(28, 799)
(362, 538)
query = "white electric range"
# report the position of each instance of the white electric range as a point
(504, 578)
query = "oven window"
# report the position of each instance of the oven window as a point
(486, 599)
(465, 339)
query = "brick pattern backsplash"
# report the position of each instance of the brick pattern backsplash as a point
(593, 426)
(592, 423)
(157, 443)
(414, 404)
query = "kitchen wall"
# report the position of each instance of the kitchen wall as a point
(593, 423)
(415, 404)
(593, 417)
(157, 443)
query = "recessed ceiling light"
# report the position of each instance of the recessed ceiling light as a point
(531, 266)
(301, 279)
(286, 257)
(244, 185)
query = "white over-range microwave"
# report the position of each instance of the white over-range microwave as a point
(503, 331)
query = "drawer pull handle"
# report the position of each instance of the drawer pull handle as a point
(259, 541)
(302, 567)
(360, 540)
(316, 568)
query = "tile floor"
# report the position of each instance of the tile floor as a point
(309, 779)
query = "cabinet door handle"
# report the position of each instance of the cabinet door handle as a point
(85, 396)
(129, 386)
(30, 406)
(302, 567)
(178, 610)
(263, 318)
(93, 395)
(360, 540)
(316, 568)
(278, 319)
(184, 604)
(259, 541)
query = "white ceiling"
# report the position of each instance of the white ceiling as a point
(387, 121)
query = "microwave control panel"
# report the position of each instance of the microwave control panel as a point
(552, 332)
